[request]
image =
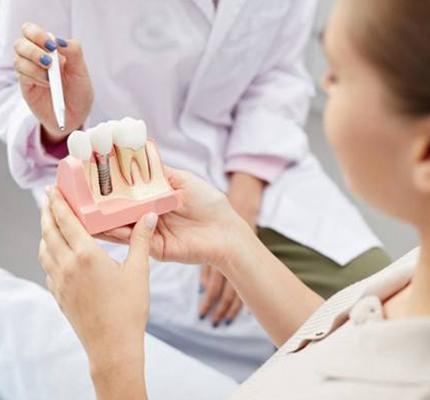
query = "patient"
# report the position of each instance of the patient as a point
(368, 341)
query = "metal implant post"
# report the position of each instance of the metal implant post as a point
(103, 168)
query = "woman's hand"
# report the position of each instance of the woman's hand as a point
(201, 231)
(32, 62)
(219, 297)
(107, 303)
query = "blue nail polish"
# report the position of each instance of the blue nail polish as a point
(45, 60)
(201, 289)
(50, 45)
(202, 317)
(215, 325)
(62, 42)
(228, 322)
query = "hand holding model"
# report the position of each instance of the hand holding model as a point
(84, 279)
(87, 283)
(32, 62)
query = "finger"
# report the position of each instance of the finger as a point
(46, 261)
(70, 227)
(27, 68)
(157, 246)
(176, 177)
(234, 310)
(27, 81)
(139, 242)
(52, 237)
(50, 284)
(35, 34)
(72, 51)
(120, 235)
(27, 49)
(109, 239)
(212, 294)
(224, 304)
(204, 278)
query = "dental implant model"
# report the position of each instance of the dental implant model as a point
(113, 175)
(79, 145)
(130, 137)
(101, 140)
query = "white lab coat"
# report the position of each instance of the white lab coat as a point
(244, 91)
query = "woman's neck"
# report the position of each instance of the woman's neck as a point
(414, 300)
(420, 284)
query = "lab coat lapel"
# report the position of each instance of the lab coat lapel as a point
(227, 13)
(204, 6)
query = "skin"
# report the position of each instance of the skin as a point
(385, 158)
(245, 195)
(245, 191)
(188, 235)
(33, 78)
(384, 154)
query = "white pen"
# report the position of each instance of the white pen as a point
(56, 86)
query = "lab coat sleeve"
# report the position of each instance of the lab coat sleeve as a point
(29, 163)
(270, 117)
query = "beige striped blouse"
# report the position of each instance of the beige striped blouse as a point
(347, 350)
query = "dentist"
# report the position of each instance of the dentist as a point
(224, 92)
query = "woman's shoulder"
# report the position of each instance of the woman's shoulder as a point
(336, 309)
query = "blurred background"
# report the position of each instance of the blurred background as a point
(19, 218)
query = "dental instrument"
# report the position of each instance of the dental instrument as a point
(56, 87)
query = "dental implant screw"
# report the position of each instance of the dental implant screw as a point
(105, 180)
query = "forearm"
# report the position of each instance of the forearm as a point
(118, 372)
(278, 299)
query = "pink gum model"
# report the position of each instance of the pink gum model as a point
(101, 215)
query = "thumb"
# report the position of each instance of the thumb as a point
(139, 241)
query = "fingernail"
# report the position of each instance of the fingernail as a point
(202, 317)
(215, 324)
(50, 45)
(151, 220)
(201, 289)
(61, 42)
(45, 60)
(228, 322)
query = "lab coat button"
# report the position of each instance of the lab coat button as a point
(367, 309)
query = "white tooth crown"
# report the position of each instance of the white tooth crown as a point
(79, 145)
(130, 133)
(102, 138)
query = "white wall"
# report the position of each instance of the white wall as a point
(397, 237)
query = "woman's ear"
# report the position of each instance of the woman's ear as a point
(421, 161)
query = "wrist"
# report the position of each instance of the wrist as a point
(122, 379)
(238, 239)
(245, 195)
(53, 135)
(50, 136)
(108, 359)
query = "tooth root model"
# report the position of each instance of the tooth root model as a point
(102, 143)
(130, 138)
(107, 189)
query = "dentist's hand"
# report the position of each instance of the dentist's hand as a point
(219, 297)
(32, 62)
(106, 302)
